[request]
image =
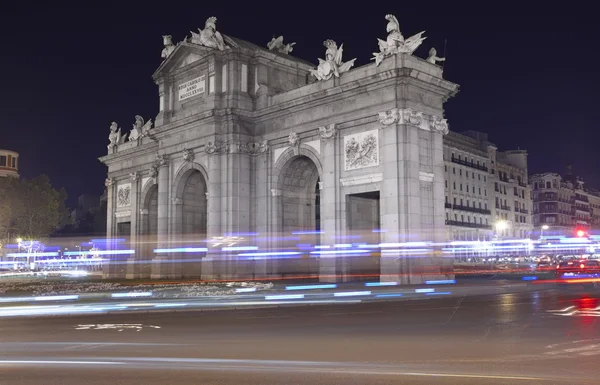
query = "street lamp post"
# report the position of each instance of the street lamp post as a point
(544, 227)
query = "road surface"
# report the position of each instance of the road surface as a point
(546, 337)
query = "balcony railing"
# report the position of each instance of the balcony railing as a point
(471, 209)
(468, 164)
(468, 224)
(524, 211)
(522, 184)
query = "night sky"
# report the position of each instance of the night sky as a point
(528, 75)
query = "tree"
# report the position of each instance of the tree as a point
(30, 208)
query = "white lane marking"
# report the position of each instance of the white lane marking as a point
(118, 327)
(38, 362)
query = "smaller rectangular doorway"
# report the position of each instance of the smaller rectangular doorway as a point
(363, 217)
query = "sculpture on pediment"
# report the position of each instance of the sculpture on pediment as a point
(109, 182)
(114, 137)
(140, 129)
(439, 125)
(209, 36)
(395, 42)
(276, 44)
(332, 65)
(134, 176)
(433, 58)
(188, 155)
(169, 46)
(327, 132)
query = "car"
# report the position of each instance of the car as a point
(585, 271)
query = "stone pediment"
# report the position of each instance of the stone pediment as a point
(183, 55)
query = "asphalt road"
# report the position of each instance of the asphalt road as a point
(549, 337)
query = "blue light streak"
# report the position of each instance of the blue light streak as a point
(381, 284)
(311, 287)
(182, 250)
(284, 296)
(441, 282)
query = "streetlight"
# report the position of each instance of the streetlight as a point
(544, 227)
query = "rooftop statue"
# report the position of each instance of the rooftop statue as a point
(395, 42)
(332, 65)
(115, 138)
(276, 44)
(209, 36)
(140, 129)
(433, 58)
(169, 46)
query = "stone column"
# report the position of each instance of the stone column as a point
(214, 213)
(394, 203)
(110, 185)
(161, 268)
(133, 267)
(330, 266)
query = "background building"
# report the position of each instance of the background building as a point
(9, 163)
(561, 204)
(486, 191)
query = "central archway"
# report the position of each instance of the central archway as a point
(299, 191)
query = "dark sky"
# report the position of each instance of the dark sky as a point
(528, 74)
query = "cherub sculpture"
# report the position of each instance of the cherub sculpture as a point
(332, 65)
(169, 46)
(395, 42)
(209, 36)
(140, 129)
(115, 138)
(276, 44)
(433, 58)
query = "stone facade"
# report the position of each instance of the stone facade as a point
(562, 204)
(9, 163)
(484, 186)
(259, 146)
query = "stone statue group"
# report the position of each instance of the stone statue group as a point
(332, 65)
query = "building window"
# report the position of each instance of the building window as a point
(454, 184)
(14, 162)
(479, 190)
(2, 161)
(485, 192)
(484, 178)
(461, 202)
(461, 187)
(473, 175)
(454, 200)
(454, 170)
(473, 189)
(460, 172)
(548, 185)
(445, 168)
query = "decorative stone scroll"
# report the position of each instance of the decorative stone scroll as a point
(161, 160)
(327, 132)
(154, 173)
(188, 155)
(109, 182)
(134, 176)
(414, 118)
(231, 147)
(217, 147)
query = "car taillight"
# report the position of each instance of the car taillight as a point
(582, 266)
(557, 267)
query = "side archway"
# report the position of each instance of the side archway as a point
(190, 187)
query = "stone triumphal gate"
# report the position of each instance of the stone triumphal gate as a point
(252, 139)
